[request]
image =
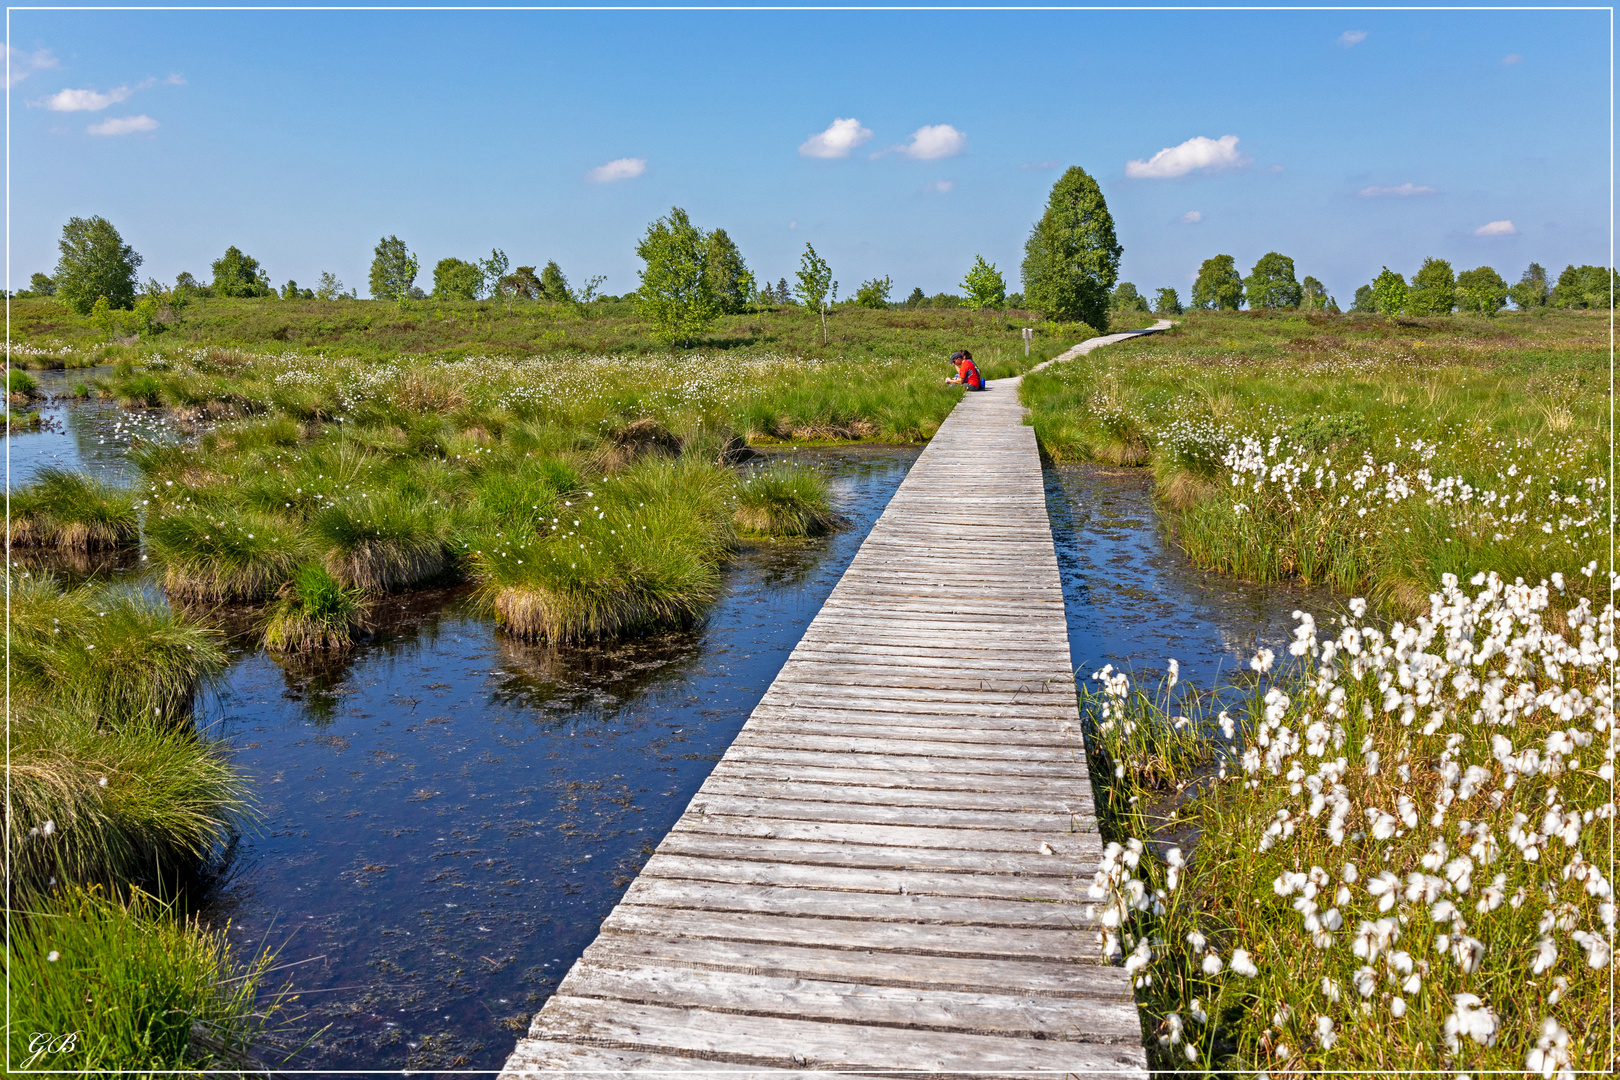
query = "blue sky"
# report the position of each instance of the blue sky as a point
(1348, 140)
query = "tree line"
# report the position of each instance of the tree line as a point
(692, 276)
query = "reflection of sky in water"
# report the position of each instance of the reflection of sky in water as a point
(1133, 598)
(449, 815)
(87, 436)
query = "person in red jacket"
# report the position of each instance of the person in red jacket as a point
(967, 372)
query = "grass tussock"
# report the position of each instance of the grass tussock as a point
(137, 985)
(639, 552)
(222, 553)
(1399, 847)
(313, 613)
(66, 509)
(383, 541)
(784, 501)
(106, 651)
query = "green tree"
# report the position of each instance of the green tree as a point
(1531, 291)
(239, 274)
(1434, 289)
(916, 298)
(676, 293)
(95, 263)
(1219, 286)
(1313, 294)
(40, 285)
(1584, 287)
(815, 280)
(1167, 302)
(984, 285)
(1481, 290)
(1071, 259)
(393, 270)
(521, 284)
(291, 291)
(494, 270)
(1271, 284)
(328, 287)
(554, 286)
(1364, 300)
(874, 293)
(1126, 298)
(457, 279)
(1389, 293)
(729, 276)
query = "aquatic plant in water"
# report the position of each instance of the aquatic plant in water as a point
(66, 509)
(314, 613)
(784, 501)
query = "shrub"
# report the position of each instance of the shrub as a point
(140, 987)
(70, 510)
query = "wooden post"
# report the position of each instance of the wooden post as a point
(1029, 334)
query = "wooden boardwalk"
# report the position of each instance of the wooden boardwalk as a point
(885, 874)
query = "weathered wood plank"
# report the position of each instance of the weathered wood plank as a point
(856, 879)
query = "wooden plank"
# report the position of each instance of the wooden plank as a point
(1023, 1016)
(774, 1040)
(884, 872)
(856, 879)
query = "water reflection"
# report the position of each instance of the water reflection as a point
(88, 436)
(448, 814)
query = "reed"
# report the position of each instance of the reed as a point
(380, 540)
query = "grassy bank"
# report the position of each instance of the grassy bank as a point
(1370, 455)
(50, 335)
(1400, 846)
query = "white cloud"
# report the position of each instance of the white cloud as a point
(176, 80)
(940, 186)
(122, 125)
(1497, 228)
(1198, 152)
(1403, 190)
(1191, 217)
(20, 65)
(933, 141)
(1510, 59)
(1351, 38)
(841, 136)
(625, 168)
(86, 100)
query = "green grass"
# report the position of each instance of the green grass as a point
(106, 651)
(70, 510)
(21, 383)
(135, 985)
(784, 501)
(1346, 450)
(314, 612)
(222, 552)
(460, 329)
(639, 552)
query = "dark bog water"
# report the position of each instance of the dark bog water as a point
(1134, 600)
(448, 816)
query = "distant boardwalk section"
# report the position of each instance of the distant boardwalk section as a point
(886, 872)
